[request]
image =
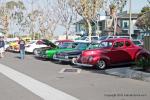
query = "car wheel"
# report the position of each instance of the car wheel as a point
(101, 64)
(140, 61)
(35, 51)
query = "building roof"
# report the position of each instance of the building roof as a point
(82, 21)
(127, 16)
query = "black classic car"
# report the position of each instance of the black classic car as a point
(67, 56)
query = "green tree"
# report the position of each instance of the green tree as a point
(87, 9)
(7, 15)
(143, 20)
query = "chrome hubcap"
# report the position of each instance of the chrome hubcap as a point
(101, 64)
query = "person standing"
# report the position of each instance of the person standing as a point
(2, 47)
(22, 48)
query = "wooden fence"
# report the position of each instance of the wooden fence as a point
(147, 42)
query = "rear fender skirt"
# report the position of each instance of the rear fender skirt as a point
(141, 53)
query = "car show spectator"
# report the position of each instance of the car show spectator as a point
(2, 47)
(22, 48)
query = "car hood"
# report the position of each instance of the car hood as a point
(97, 51)
(58, 50)
(45, 48)
(67, 53)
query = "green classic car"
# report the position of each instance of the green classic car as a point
(65, 47)
(48, 53)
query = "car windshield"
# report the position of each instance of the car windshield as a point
(127, 37)
(82, 46)
(66, 45)
(105, 44)
(94, 38)
(93, 45)
(103, 38)
(83, 38)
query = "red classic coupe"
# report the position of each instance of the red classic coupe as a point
(111, 52)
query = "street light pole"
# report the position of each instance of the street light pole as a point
(97, 26)
(130, 18)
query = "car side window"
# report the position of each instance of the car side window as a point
(118, 44)
(94, 38)
(74, 45)
(127, 43)
(92, 46)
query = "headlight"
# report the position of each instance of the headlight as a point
(66, 57)
(78, 56)
(54, 56)
(90, 58)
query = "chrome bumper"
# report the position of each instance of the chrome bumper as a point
(41, 56)
(80, 64)
(61, 59)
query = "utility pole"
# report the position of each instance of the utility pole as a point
(32, 18)
(130, 18)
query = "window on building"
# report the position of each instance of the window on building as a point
(125, 24)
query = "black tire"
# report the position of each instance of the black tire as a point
(101, 64)
(140, 59)
(34, 51)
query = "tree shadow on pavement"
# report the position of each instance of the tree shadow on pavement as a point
(98, 71)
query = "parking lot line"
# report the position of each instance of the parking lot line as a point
(43, 90)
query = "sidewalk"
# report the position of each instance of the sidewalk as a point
(129, 73)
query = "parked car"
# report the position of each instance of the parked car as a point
(67, 56)
(138, 42)
(111, 52)
(34, 44)
(6, 45)
(86, 39)
(50, 46)
(13, 46)
(111, 37)
(60, 42)
(48, 54)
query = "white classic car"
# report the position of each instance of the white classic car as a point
(33, 45)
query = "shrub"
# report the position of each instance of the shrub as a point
(143, 62)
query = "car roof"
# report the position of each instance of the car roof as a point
(116, 39)
(64, 41)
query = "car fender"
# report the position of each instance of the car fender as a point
(102, 57)
(141, 53)
(106, 59)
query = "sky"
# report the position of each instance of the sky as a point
(136, 4)
(136, 7)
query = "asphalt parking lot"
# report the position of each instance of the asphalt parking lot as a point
(86, 84)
